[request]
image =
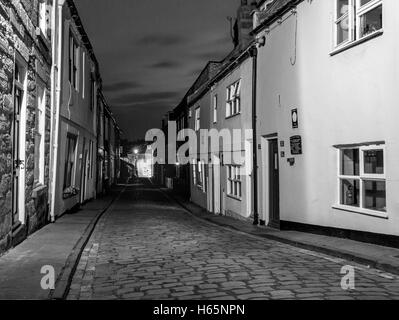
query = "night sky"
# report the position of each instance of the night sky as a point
(151, 51)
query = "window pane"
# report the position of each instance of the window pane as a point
(350, 193)
(363, 2)
(350, 162)
(371, 21)
(343, 30)
(374, 162)
(342, 7)
(375, 195)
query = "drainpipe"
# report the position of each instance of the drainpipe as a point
(57, 54)
(254, 55)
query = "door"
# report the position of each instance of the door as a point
(83, 173)
(17, 163)
(274, 185)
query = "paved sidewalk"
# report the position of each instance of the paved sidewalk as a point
(53, 245)
(374, 256)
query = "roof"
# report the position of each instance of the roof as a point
(274, 11)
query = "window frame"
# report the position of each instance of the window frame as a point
(74, 52)
(215, 108)
(362, 178)
(197, 124)
(234, 183)
(354, 15)
(69, 182)
(233, 99)
(40, 133)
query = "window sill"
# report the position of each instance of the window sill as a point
(38, 190)
(234, 198)
(382, 215)
(356, 42)
(233, 116)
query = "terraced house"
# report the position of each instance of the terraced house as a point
(53, 129)
(25, 97)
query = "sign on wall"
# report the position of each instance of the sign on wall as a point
(294, 118)
(296, 145)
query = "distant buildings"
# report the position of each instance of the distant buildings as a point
(315, 81)
(53, 155)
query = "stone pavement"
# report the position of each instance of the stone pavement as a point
(147, 247)
(376, 256)
(53, 245)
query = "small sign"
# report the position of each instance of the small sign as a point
(282, 144)
(294, 117)
(296, 145)
(282, 154)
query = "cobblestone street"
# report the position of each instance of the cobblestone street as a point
(147, 247)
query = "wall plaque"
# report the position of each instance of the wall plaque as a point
(296, 145)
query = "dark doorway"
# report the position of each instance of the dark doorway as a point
(274, 185)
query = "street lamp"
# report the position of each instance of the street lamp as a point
(136, 151)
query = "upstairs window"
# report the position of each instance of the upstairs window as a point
(73, 61)
(197, 119)
(44, 17)
(362, 179)
(356, 19)
(233, 104)
(215, 109)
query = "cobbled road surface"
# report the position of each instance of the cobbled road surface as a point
(147, 247)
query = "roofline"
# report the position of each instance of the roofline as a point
(275, 16)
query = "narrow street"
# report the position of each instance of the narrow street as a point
(148, 247)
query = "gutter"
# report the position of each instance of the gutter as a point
(254, 54)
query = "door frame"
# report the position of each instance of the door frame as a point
(18, 60)
(274, 207)
(216, 185)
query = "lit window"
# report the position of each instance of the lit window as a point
(233, 105)
(234, 183)
(362, 178)
(356, 19)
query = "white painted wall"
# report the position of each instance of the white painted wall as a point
(351, 97)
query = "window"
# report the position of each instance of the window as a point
(362, 178)
(233, 105)
(70, 157)
(44, 17)
(73, 61)
(197, 119)
(92, 94)
(234, 182)
(194, 173)
(356, 19)
(190, 113)
(215, 109)
(40, 120)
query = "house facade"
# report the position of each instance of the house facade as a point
(25, 104)
(327, 98)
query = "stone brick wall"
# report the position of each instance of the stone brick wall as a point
(18, 20)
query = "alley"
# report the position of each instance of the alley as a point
(147, 247)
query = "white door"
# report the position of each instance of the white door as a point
(216, 185)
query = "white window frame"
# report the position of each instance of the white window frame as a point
(215, 108)
(234, 181)
(362, 177)
(40, 134)
(74, 57)
(43, 18)
(233, 99)
(354, 15)
(197, 118)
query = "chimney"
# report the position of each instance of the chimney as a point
(244, 24)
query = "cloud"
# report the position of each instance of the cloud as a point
(161, 40)
(165, 65)
(121, 86)
(152, 97)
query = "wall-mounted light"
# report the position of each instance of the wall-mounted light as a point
(261, 41)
